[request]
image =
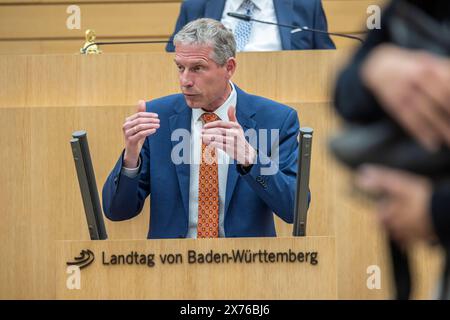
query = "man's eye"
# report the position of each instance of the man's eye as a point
(197, 68)
(180, 68)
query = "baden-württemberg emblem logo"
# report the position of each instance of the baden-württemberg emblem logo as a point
(85, 258)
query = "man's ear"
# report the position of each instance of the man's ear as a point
(230, 66)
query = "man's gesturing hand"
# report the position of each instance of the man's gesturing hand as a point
(135, 129)
(229, 137)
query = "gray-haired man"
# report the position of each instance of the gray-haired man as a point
(229, 196)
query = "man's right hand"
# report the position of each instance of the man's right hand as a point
(135, 129)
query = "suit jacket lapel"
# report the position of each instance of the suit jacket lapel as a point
(214, 9)
(244, 114)
(283, 10)
(182, 120)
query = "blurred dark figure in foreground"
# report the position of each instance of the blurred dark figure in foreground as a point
(405, 77)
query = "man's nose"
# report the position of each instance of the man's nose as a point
(185, 79)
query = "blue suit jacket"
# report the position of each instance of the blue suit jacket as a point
(299, 13)
(250, 198)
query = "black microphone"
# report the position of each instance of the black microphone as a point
(239, 16)
(84, 50)
(295, 29)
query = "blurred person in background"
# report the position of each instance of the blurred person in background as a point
(253, 36)
(410, 86)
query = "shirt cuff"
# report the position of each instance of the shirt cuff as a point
(131, 172)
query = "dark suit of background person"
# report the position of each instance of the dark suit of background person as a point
(300, 13)
(356, 103)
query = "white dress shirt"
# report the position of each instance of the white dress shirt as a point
(222, 159)
(264, 37)
(196, 147)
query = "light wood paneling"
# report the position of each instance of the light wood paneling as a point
(360, 242)
(40, 198)
(16, 232)
(122, 79)
(321, 215)
(349, 16)
(112, 20)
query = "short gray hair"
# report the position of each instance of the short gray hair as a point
(209, 32)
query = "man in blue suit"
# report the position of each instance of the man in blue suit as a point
(262, 37)
(235, 191)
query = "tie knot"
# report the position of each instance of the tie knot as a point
(248, 6)
(209, 117)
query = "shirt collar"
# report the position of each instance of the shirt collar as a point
(222, 111)
(236, 4)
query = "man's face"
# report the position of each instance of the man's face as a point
(203, 82)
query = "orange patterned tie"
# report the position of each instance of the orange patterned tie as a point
(208, 189)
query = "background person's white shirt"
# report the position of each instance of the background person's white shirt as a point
(264, 37)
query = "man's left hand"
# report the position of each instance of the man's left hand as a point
(229, 137)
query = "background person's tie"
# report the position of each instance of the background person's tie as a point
(208, 189)
(243, 29)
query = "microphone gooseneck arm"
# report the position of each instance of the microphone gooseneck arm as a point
(295, 29)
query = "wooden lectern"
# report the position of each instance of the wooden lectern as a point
(238, 268)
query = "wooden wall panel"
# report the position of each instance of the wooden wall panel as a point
(111, 20)
(40, 197)
(321, 215)
(121, 79)
(16, 265)
(349, 16)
